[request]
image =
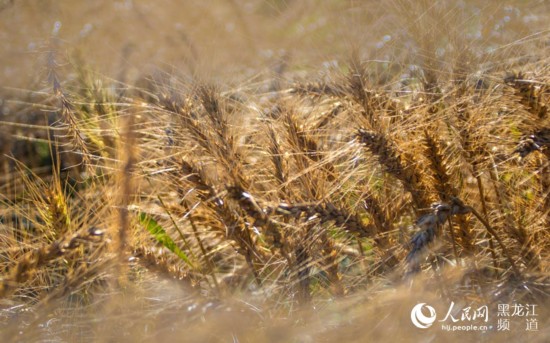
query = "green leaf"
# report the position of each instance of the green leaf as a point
(162, 237)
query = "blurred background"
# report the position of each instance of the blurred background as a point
(123, 39)
(235, 39)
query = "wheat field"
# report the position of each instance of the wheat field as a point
(274, 171)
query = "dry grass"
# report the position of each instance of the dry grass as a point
(287, 205)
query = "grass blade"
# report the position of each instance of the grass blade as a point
(162, 236)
